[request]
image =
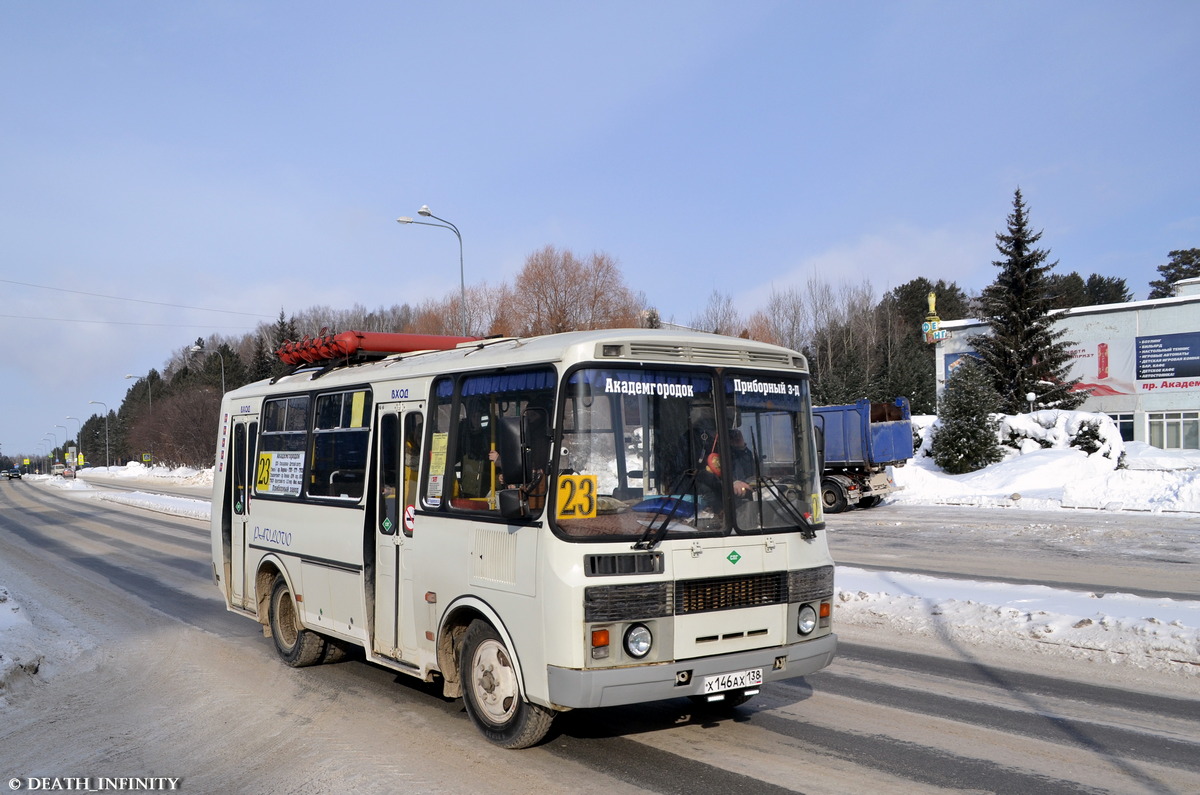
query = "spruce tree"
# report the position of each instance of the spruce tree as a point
(1024, 353)
(965, 439)
(283, 331)
(261, 362)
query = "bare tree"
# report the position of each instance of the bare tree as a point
(557, 292)
(720, 316)
(782, 321)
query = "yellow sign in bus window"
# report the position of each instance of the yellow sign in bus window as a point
(576, 497)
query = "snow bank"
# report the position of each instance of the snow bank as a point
(1044, 471)
(19, 655)
(1148, 633)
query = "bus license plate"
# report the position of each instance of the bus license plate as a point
(733, 681)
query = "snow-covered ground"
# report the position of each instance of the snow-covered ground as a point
(1116, 628)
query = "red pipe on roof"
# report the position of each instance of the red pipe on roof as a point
(348, 343)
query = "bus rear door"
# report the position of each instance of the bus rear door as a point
(237, 505)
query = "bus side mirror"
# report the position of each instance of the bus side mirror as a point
(512, 453)
(524, 446)
(819, 434)
(511, 505)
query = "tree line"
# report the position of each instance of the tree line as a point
(858, 345)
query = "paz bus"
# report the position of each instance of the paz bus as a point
(543, 524)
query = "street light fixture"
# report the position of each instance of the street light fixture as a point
(107, 464)
(149, 392)
(202, 349)
(462, 278)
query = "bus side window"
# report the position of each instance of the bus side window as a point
(413, 429)
(389, 473)
(436, 490)
(338, 463)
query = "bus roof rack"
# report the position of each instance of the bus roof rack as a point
(356, 346)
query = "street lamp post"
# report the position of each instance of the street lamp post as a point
(79, 435)
(107, 463)
(201, 349)
(462, 278)
(53, 435)
(64, 444)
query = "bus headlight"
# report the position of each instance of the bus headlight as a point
(638, 640)
(806, 622)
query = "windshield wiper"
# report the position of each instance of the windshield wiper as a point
(654, 535)
(808, 529)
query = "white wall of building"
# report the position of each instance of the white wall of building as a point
(1140, 359)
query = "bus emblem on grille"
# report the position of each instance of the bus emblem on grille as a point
(733, 557)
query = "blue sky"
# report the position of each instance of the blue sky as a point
(249, 157)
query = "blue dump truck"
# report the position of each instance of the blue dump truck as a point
(860, 441)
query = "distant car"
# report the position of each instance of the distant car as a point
(14, 473)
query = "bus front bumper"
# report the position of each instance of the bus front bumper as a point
(610, 687)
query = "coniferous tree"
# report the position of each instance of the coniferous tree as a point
(1024, 353)
(965, 439)
(1066, 291)
(283, 331)
(1184, 264)
(261, 361)
(1106, 290)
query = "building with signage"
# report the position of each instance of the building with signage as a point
(1140, 360)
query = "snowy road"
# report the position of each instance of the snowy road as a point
(145, 674)
(1151, 554)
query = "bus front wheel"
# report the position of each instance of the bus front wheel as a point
(492, 694)
(297, 646)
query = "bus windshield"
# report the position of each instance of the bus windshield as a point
(659, 453)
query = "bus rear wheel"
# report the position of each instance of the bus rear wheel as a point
(492, 692)
(297, 646)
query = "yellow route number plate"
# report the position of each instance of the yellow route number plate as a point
(576, 497)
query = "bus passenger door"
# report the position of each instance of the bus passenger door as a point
(400, 430)
(237, 503)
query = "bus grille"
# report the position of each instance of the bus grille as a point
(809, 585)
(656, 599)
(626, 602)
(730, 593)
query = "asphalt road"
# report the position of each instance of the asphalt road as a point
(165, 682)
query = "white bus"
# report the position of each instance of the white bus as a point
(578, 520)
